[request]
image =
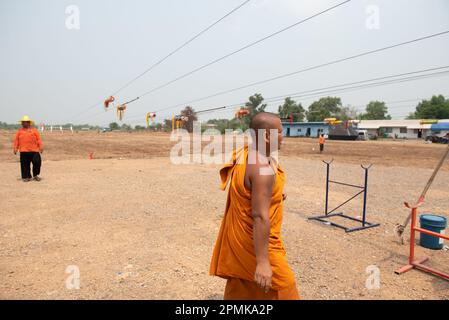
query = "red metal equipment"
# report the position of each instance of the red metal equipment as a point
(412, 263)
(418, 263)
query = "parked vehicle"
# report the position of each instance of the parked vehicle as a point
(342, 131)
(435, 138)
(363, 135)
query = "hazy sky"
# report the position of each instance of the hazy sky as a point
(52, 73)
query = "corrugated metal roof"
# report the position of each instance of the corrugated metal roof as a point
(376, 124)
(305, 123)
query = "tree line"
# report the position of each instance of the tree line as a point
(436, 107)
(331, 107)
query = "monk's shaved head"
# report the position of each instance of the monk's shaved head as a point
(263, 125)
(265, 120)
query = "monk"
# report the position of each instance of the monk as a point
(249, 251)
(29, 143)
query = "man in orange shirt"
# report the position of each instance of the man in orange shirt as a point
(29, 143)
(249, 251)
(321, 140)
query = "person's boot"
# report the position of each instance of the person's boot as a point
(37, 178)
(26, 179)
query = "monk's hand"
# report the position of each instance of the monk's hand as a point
(15, 151)
(263, 275)
(41, 150)
(284, 196)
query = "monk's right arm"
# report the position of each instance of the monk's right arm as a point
(261, 192)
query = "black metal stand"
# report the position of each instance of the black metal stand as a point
(329, 214)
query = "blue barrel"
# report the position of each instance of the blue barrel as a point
(433, 223)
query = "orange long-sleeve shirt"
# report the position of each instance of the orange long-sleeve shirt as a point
(28, 140)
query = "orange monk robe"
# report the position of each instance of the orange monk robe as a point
(234, 256)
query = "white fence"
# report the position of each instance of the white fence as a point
(52, 128)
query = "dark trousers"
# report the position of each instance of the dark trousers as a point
(321, 147)
(26, 158)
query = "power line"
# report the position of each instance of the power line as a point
(216, 109)
(209, 110)
(85, 110)
(388, 103)
(336, 86)
(368, 80)
(369, 85)
(180, 47)
(308, 69)
(305, 70)
(242, 48)
(351, 88)
(378, 84)
(344, 87)
(172, 53)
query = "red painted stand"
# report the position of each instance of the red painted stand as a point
(418, 263)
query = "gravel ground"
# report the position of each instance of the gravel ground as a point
(136, 233)
(137, 226)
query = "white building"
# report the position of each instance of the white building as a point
(410, 129)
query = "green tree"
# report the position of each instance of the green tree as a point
(347, 113)
(126, 127)
(6, 126)
(324, 108)
(223, 124)
(167, 125)
(291, 107)
(255, 106)
(376, 110)
(410, 116)
(190, 113)
(435, 108)
(114, 126)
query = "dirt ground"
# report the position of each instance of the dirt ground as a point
(140, 227)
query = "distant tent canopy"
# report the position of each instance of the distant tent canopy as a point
(440, 126)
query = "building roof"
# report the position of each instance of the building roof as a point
(376, 124)
(305, 123)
